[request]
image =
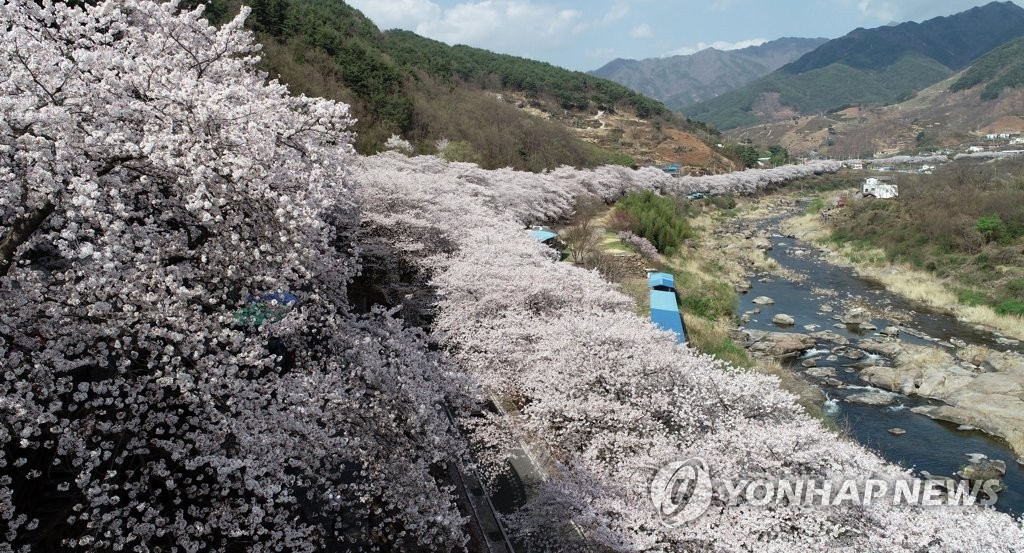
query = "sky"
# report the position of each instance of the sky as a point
(586, 34)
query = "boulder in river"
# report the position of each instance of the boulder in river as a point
(891, 331)
(982, 468)
(829, 336)
(855, 316)
(826, 308)
(883, 348)
(853, 353)
(874, 397)
(897, 431)
(763, 300)
(821, 372)
(810, 328)
(775, 344)
(783, 320)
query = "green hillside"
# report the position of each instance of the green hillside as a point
(998, 70)
(823, 90)
(869, 67)
(400, 83)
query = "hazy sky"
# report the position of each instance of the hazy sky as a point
(586, 34)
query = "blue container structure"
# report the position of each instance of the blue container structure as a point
(543, 236)
(664, 307)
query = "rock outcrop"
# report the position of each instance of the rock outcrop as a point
(979, 387)
(774, 344)
(874, 397)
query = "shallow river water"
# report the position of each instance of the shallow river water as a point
(936, 447)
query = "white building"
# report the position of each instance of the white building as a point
(879, 188)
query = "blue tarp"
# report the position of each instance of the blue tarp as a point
(543, 235)
(665, 280)
(282, 298)
(665, 313)
(260, 309)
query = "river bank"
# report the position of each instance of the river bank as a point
(912, 283)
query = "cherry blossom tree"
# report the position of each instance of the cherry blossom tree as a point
(180, 366)
(184, 365)
(1004, 154)
(641, 244)
(602, 399)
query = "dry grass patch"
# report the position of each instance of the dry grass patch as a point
(914, 284)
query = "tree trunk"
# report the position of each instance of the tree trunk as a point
(20, 232)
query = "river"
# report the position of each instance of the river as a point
(931, 446)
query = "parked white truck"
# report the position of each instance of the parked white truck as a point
(882, 189)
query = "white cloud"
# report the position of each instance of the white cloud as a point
(718, 45)
(642, 31)
(503, 25)
(398, 14)
(515, 26)
(618, 11)
(884, 11)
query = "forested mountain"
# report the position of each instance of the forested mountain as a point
(868, 66)
(998, 70)
(683, 80)
(983, 99)
(496, 110)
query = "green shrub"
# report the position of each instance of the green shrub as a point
(1016, 288)
(708, 301)
(460, 150)
(659, 219)
(816, 205)
(967, 296)
(1011, 308)
(990, 226)
(723, 202)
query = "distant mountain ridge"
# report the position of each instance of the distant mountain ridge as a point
(981, 100)
(683, 80)
(868, 67)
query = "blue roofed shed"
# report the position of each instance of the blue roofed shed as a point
(543, 235)
(661, 281)
(665, 313)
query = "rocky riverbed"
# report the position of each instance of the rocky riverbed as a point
(919, 386)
